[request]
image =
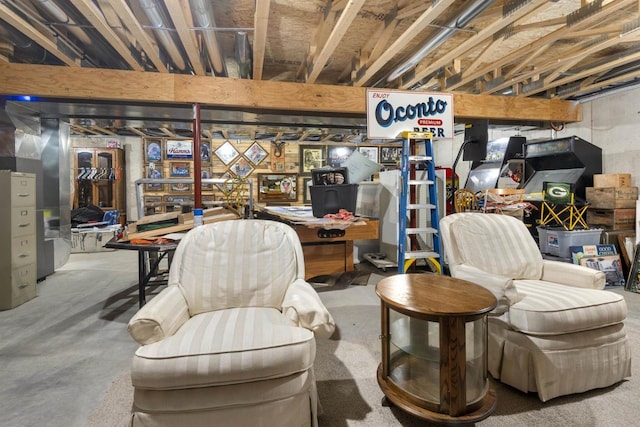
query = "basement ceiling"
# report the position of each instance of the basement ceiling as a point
(565, 49)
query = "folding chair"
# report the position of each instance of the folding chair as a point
(559, 206)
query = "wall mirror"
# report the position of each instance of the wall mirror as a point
(277, 187)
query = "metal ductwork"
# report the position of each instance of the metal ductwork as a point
(202, 12)
(456, 24)
(155, 15)
(244, 55)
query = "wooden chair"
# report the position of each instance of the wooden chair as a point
(465, 200)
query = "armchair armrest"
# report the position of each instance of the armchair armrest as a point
(500, 286)
(303, 307)
(572, 275)
(159, 318)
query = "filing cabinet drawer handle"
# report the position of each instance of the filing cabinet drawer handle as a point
(25, 224)
(23, 285)
(24, 194)
(23, 255)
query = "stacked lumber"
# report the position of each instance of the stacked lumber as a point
(154, 226)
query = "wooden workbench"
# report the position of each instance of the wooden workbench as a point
(326, 251)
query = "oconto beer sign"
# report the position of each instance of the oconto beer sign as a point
(389, 113)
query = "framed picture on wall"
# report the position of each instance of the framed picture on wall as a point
(153, 151)
(227, 153)
(153, 172)
(205, 151)
(255, 153)
(241, 168)
(279, 187)
(311, 157)
(370, 152)
(205, 173)
(306, 191)
(180, 188)
(179, 149)
(337, 155)
(390, 155)
(180, 169)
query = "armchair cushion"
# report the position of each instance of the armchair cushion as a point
(160, 318)
(225, 347)
(573, 275)
(484, 243)
(551, 309)
(303, 307)
(501, 287)
(245, 263)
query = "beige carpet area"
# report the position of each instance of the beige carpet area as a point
(350, 396)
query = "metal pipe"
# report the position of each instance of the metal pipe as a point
(457, 23)
(197, 159)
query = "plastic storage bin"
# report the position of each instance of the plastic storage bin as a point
(328, 199)
(557, 241)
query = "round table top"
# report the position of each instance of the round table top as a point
(434, 295)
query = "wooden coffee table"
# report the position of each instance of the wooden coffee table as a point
(434, 347)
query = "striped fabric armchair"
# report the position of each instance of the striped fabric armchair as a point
(555, 330)
(231, 340)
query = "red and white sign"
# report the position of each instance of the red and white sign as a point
(391, 112)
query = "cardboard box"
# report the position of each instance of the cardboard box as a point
(612, 197)
(612, 180)
(612, 219)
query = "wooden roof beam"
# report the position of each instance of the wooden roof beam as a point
(93, 85)
(260, 23)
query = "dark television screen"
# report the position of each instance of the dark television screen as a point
(476, 135)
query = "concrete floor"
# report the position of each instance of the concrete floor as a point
(60, 352)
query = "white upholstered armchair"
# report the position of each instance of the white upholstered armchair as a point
(230, 341)
(555, 330)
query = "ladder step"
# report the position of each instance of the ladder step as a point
(420, 158)
(421, 230)
(420, 182)
(421, 206)
(421, 254)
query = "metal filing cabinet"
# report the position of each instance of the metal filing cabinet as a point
(18, 259)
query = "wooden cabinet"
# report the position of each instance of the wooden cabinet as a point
(18, 256)
(100, 178)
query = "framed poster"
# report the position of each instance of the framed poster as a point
(337, 155)
(390, 155)
(153, 151)
(255, 153)
(311, 157)
(179, 149)
(227, 153)
(154, 172)
(180, 169)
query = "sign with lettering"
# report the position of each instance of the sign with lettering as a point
(179, 149)
(391, 112)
